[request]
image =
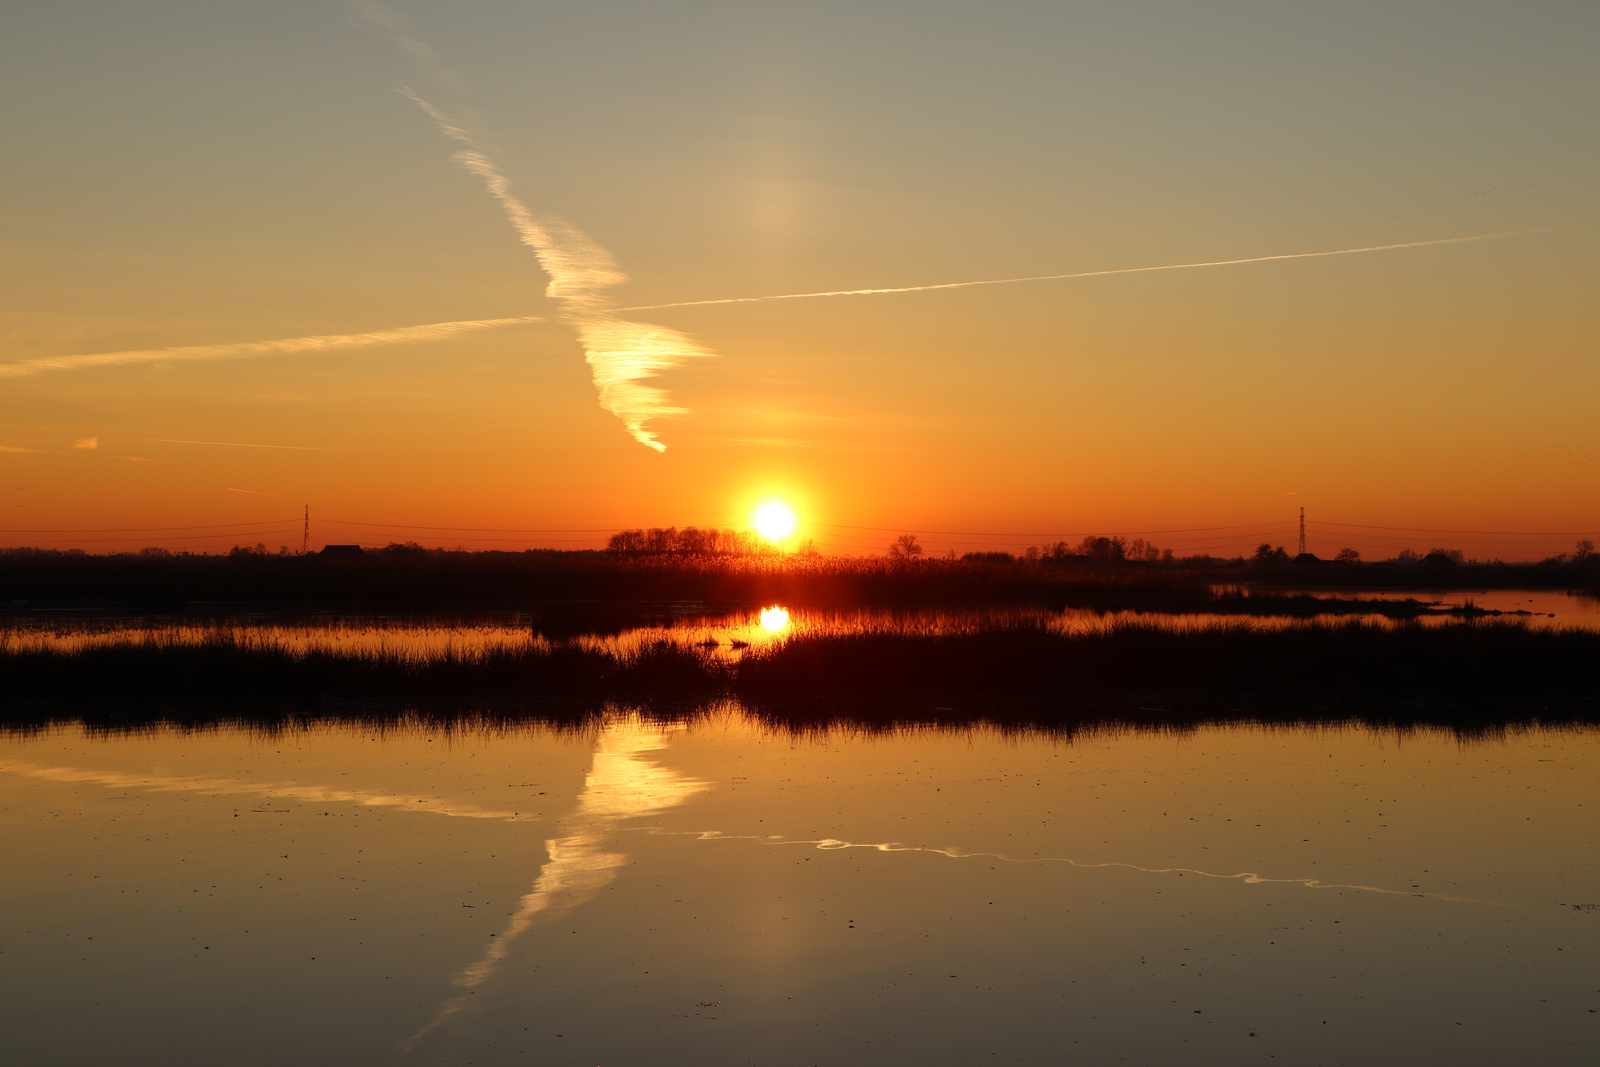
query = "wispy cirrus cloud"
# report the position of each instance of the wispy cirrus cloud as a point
(433, 331)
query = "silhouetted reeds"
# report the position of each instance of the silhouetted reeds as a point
(1345, 659)
(1057, 675)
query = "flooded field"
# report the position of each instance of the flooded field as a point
(723, 892)
(725, 634)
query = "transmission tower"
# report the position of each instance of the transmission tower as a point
(1302, 531)
(305, 537)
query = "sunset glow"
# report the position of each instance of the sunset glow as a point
(774, 521)
(891, 515)
(532, 341)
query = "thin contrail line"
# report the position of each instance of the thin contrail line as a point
(432, 331)
(833, 844)
(285, 790)
(245, 444)
(1083, 274)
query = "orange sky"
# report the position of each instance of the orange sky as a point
(230, 176)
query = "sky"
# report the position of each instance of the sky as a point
(187, 181)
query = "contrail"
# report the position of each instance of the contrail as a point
(622, 783)
(833, 844)
(169, 783)
(620, 353)
(245, 444)
(285, 346)
(1084, 274)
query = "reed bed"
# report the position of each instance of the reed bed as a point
(1458, 662)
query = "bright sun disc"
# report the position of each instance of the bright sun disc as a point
(774, 521)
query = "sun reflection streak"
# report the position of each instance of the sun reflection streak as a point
(775, 619)
(622, 784)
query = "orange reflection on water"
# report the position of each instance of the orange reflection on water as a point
(775, 619)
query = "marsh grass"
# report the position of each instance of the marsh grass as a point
(1044, 675)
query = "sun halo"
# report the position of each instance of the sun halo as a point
(774, 521)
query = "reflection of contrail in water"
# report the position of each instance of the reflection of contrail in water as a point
(162, 783)
(1081, 274)
(831, 844)
(621, 354)
(621, 784)
(283, 347)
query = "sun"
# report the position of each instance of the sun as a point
(773, 521)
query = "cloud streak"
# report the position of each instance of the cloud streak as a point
(1080, 274)
(434, 331)
(246, 444)
(621, 354)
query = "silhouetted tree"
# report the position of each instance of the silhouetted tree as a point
(1348, 555)
(905, 547)
(689, 541)
(1104, 549)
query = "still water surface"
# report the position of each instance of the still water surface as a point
(721, 892)
(722, 635)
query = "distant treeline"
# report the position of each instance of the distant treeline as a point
(1115, 550)
(695, 541)
(402, 577)
(1468, 665)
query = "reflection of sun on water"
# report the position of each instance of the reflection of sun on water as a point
(775, 620)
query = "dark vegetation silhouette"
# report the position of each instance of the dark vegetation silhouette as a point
(697, 541)
(1487, 666)
(904, 548)
(411, 578)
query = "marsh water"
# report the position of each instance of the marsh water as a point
(720, 634)
(723, 891)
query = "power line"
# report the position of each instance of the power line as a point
(143, 529)
(1057, 533)
(203, 537)
(1514, 533)
(460, 529)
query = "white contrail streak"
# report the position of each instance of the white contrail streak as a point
(1081, 274)
(169, 783)
(243, 444)
(620, 353)
(622, 784)
(283, 347)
